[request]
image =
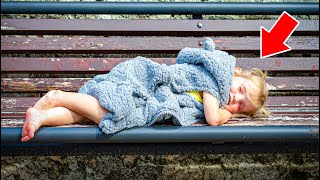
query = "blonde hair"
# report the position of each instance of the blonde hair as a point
(260, 96)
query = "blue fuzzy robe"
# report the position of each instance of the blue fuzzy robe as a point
(140, 92)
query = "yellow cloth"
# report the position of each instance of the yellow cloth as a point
(196, 95)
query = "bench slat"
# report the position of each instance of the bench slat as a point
(271, 121)
(13, 111)
(141, 44)
(275, 121)
(73, 84)
(101, 65)
(16, 103)
(143, 27)
(284, 111)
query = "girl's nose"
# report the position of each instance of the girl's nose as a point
(238, 98)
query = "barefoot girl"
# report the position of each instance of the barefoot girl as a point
(203, 87)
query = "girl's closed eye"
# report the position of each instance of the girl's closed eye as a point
(240, 89)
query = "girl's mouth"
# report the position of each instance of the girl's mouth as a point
(229, 100)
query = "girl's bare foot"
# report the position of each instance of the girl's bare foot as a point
(32, 123)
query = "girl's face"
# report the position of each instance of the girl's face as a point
(240, 89)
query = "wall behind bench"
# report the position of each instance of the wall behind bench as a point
(211, 166)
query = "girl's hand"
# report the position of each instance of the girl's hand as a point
(239, 116)
(214, 115)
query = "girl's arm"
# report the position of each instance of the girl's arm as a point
(214, 115)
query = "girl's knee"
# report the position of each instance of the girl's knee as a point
(53, 96)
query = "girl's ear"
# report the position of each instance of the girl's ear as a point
(237, 70)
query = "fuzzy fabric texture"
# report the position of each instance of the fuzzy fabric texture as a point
(140, 92)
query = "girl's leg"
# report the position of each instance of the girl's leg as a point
(83, 104)
(51, 117)
(73, 107)
(47, 101)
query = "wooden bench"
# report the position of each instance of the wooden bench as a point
(38, 55)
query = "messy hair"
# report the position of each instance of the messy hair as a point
(260, 95)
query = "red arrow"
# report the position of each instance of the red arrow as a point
(273, 42)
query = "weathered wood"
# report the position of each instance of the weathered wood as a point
(293, 83)
(305, 112)
(73, 84)
(102, 65)
(271, 121)
(292, 101)
(89, 65)
(142, 44)
(17, 103)
(301, 110)
(275, 121)
(142, 27)
(41, 84)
